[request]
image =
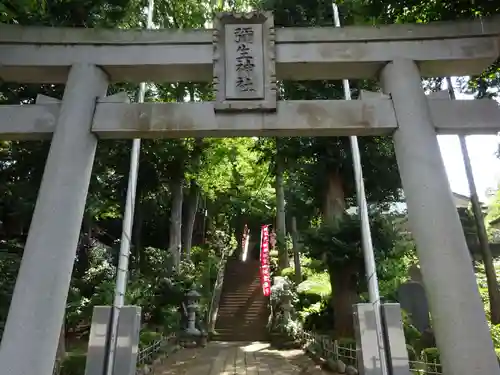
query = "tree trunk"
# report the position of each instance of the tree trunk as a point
(342, 279)
(334, 205)
(191, 209)
(296, 251)
(175, 238)
(283, 261)
(344, 292)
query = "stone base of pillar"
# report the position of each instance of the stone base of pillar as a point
(366, 339)
(395, 342)
(129, 325)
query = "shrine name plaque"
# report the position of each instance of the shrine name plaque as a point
(244, 62)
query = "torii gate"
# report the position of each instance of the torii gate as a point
(246, 54)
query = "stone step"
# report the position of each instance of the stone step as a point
(254, 310)
(231, 321)
(242, 302)
(242, 326)
(253, 295)
(251, 314)
(242, 338)
(251, 307)
(243, 309)
(230, 315)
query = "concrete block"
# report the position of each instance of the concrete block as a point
(366, 339)
(127, 344)
(397, 357)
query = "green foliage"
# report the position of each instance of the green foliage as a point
(339, 246)
(493, 214)
(495, 335)
(73, 364)
(412, 334)
(288, 272)
(341, 242)
(431, 355)
(148, 338)
(9, 265)
(312, 309)
(317, 284)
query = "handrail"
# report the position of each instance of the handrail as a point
(216, 294)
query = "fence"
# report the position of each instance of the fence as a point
(329, 349)
(425, 368)
(145, 356)
(346, 352)
(148, 354)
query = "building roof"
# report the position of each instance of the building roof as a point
(463, 201)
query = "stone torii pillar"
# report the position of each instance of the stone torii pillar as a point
(459, 320)
(36, 313)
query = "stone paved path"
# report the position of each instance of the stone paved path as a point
(223, 358)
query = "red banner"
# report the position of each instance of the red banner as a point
(265, 272)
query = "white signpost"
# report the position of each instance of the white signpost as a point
(244, 56)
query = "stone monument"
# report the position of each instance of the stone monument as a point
(413, 300)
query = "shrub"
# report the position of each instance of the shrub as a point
(288, 272)
(495, 334)
(317, 284)
(433, 363)
(147, 338)
(412, 335)
(73, 364)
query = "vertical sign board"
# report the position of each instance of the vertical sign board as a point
(244, 62)
(265, 272)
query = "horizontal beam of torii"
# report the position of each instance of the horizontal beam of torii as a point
(373, 114)
(44, 55)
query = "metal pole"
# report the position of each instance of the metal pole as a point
(366, 238)
(128, 219)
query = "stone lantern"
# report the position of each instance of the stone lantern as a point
(286, 303)
(193, 298)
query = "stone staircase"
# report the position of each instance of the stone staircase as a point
(243, 311)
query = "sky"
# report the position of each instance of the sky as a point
(485, 165)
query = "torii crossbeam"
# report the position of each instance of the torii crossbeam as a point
(399, 55)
